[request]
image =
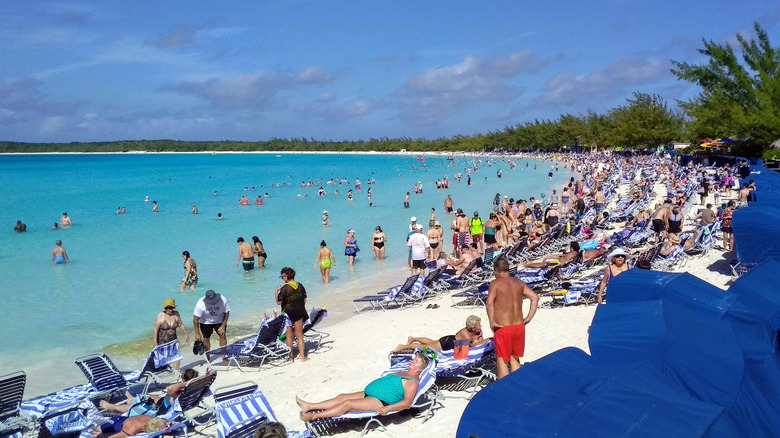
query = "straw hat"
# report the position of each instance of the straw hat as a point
(674, 239)
(170, 302)
(538, 223)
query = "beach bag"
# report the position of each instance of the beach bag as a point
(461, 349)
(142, 405)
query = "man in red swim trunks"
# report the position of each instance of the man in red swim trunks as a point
(505, 313)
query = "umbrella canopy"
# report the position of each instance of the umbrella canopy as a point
(756, 233)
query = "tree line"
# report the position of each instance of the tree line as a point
(739, 97)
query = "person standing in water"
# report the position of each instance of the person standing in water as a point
(259, 251)
(325, 219)
(292, 297)
(154, 206)
(190, 272)
(65, 220)
(325, 261)
(194, 209)
(246, 255)
(59, 255)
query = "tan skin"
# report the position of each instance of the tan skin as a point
(617, 267)
(296, 328)
(474, 336)
(131, 426)
(245, 250)
(259, 250)
(323, 254)
(57, 251)
(189, 266)
(358, 401)
(379, 236)
(172, 317)
(221, 332)
(504, 307)
(433, 237)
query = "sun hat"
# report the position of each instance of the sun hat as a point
(350, 231)
(437, 223)
(211, 297)
(538, 223)
(170, 302)
(674, 239)
(615, 253)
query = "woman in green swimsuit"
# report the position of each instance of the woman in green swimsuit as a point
(325, 261)
(393, 392)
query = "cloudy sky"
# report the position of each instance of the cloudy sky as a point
(340, 70)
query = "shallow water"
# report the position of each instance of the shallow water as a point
(124, 266)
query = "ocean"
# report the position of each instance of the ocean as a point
(123, 266)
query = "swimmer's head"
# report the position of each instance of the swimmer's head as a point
(240, 239)
(59, 242)
(256, 239)
(185, 254)
(323, 244)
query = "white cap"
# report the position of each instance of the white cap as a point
(324, 211)
(414, 219)
(418, 227)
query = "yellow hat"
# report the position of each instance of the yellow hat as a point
(170, 302)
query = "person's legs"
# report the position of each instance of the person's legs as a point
(207, 342)
(349, 405)
(501, 368)
(105, 405)
(514, 364)
(382, 252)
(326, 275)
(351, 260)
(327, 404)
(289, 340)
(415, 342)
(298, 327)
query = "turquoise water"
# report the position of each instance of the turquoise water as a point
(124, 266)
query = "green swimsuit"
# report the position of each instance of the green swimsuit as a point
(388, 389)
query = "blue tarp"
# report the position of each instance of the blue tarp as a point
(671, 356)
(757, 232)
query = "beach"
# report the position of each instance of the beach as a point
(356, 350)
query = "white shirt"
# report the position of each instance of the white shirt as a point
(418, 242)
(212, 314)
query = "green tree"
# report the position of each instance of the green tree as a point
(737, 98)
(646, 121)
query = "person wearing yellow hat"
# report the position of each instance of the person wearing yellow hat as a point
(166, 324)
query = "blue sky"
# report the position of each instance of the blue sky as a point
(340, 70)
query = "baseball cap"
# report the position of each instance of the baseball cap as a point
(414, 219)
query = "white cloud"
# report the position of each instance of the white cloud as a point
(614, 80)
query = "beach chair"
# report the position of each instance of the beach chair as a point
(12, 418)
(241, 409)
(426, 397)
(309, 333)
(414, 295)
(666, 263)
(158, 367)
(70, 422)
(456, 281)
(468, 374)
(191, 400)
(471, 298)
(383, 301)
(104, 376)
(259, 348)
(433, 283)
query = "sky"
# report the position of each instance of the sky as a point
(339, 70)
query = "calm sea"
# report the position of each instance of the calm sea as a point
(124, 266)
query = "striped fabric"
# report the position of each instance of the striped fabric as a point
(39, 406)
(101, 372)
(231, 414)
(251, 343)
(448, 366)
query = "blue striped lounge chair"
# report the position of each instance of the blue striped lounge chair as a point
(310, 334)
(104, 376)
(12, 418)
(241, 409)
(382, 300)
(425, 399)
(189, 406)
(158, 367)
(256, 349)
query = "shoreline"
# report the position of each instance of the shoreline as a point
(400, 153)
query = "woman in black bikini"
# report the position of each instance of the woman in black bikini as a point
(472, 332)
(379, 238)
(259, 251)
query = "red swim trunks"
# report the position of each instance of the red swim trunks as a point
(510, 341)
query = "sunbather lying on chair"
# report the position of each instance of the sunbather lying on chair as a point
(561, 258)
(123, 427)
(472, 332)
(393, 392)
(151, 404)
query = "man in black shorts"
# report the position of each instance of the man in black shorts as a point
(661, 218)
(211, 314)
